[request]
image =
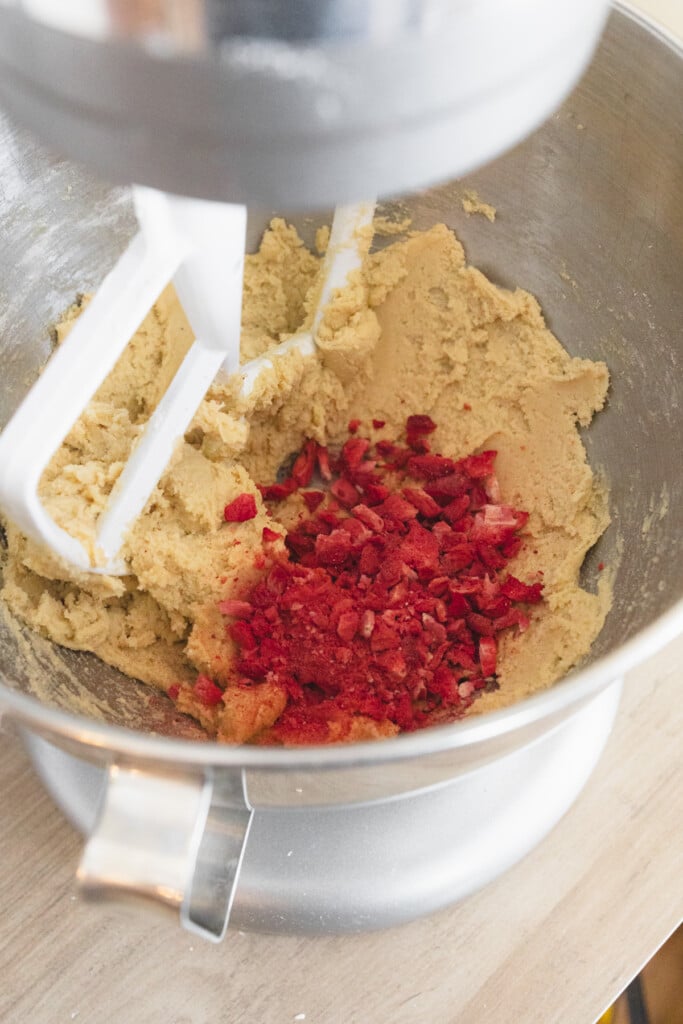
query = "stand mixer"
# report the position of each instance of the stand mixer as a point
(299, 106)
(337, 101)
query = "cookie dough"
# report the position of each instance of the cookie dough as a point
(417, 331)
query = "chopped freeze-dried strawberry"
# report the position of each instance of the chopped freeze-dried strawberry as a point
(335, 549)
(378, 424)
(278, 492)
(429, 467)
(242, 633)
(206, 691)
(353, 451)
(369, 561)
(367, 623)
(420, 549)
(367, 516)
(478, 466)
(240, 509)
(269, 535)
(313, 499)
(347, 625)
(235, 609)
(323, 457)
(345, 492)
(523, 592)
(422, 501)
(417, 427)
(173, 691)
(455, 510)
(487, 655)
(396, 507)
(389, 598)
(375, 494)
(383, 637)
(494, 524)
(304, 464)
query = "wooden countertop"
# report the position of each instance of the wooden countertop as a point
(554, 940)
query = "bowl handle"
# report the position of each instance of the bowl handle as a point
(175, 838)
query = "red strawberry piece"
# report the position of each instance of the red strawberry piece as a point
(353, 426)
(487, 655)
(345, 492)
(368, 517)
(299, 543)
(457, 557)
(491, 557)
(394, 454)
(439, 585)
(355, 529)
(478, 466)
(333, 550)
(462, 655)
(278, 492)
(429, 467)
(329, 518)
(392, 662)
(235, 609)
(398, 508)
(436, 630)
(173, 691)
(323, 457)
(455, 510)
(511, 547)
(422, 501)
(206, 691)
(313, 499)
(375, 494)
(444, 682)
(304, 464)
(353, 451)
(518, 591)
(418, 427)
(367, 623)
(494, 524)
(378, 424)
(480, 624)
(348, 625)
(268, 535)
(466, 688)
(242, 633)
(492, 488)
(383, 637)
(446, 488)
(391, 569)
(458, 606)
(242, 508)
(420, 549)
(369, 561)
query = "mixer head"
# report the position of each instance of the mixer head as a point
(289, 103)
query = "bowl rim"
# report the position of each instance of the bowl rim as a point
(579, 685)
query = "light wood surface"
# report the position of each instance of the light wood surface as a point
(553, 941)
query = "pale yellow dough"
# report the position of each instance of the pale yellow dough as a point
(417, 332)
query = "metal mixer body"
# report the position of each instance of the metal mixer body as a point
(290, 104)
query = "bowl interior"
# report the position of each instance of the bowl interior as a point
(590, 220)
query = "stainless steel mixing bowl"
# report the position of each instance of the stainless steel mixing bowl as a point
(591, 221)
